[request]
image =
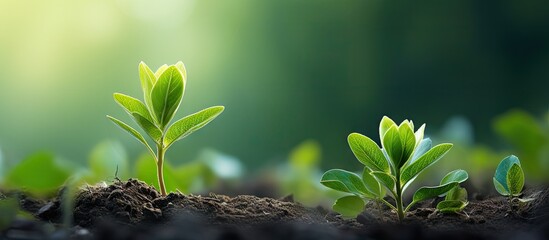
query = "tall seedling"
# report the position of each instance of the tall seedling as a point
(162, 91)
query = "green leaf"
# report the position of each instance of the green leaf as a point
(457, 193)
(151, 129)
(503, 169)
(345, 181)
(500, 188)
(305, 156)
(515, 179)
(425, 145)
(451, 180)
(393, 146)
(419, 134)
(349, 206)
(384, 126)
(147, 82)
(368, 152)
(132, 105)
(179, 65)
(191, 123)
(132, 132)
(371, 183)
(451, 206)
(426, 160)
(160, 70)
(106, 159)
(387, 180)
(166, 95)
(40, 173)
(408, 139)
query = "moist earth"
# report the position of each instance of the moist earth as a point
(134, 210)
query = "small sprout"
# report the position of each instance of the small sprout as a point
(509, 177)
(403, 155)
(454, 202)
(163, 91)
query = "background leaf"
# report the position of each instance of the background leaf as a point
(40, 173)
(349, 206)
(166, 95)
(105, 159)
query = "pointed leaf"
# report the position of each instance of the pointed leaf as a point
(371, 183)
(503, 169)
(132, 105)
(419, 134)
(451, 206)
(147, 82)
(166, 95)
(428, 159)
(148, 126)
(179, 65)
(191, 123)
(349, 206)
(408, 140)
(384, 126)
(393, 146)
(368, 152)
(515, 179)
(132, 132)
(345, 181)
(387, 180)
(160, 70)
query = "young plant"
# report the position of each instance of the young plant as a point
(454, 202)
(509, 179)
(163, 91)
(390, 169)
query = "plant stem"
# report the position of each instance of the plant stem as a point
(400, 211)
(159, 167)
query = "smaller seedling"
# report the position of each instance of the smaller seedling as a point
(454, 202)
(509, 179)
(403, 155)
(163, 91)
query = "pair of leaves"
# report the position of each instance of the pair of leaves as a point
(455, 201)
(509, 177)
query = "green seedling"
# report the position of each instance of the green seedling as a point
(163, 91)
(390, 169)
(454, 202)
(509, 180)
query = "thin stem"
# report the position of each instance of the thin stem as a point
(388, 204)
(159, 167)
(400, 211)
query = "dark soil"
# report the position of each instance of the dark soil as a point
(134, 210)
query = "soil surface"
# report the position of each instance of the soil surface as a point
(134, 210)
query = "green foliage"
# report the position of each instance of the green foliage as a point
(390, 169)
(163, 92)
(107, 159)
(454, 202)
(40, 173)
(509, 177)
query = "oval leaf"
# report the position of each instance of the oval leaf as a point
(160, 70)
(451, 206)
(151, 129)
(408, 140)
(387, 180)
(349, 206)
(368, 152)
(426, 160)
(371, 183)
(345, 181)
(191, 123)
(500, 188)
(384, 126)
(515, 179)
(393, 146)
(166, 95)
(503, 169)
(455, 176)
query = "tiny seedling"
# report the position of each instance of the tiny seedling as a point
(454, 202)
(163, 91)
(389, 170)
(509, 179)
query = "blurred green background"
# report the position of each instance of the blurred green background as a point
(286, 71)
